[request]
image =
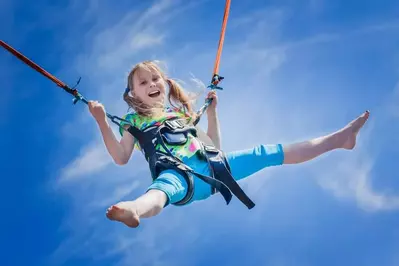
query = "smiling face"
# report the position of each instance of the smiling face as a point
(148, 86)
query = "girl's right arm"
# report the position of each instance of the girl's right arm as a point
(119, 151)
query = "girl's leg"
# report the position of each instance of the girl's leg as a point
(130, 212)
(169, 187)
(344, 138)
(244, 163)
(247, 162)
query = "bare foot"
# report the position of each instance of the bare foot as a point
(124, 212)
(349, 133)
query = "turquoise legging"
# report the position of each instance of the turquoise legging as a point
(243, 163)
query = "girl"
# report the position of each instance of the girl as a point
(146, 93)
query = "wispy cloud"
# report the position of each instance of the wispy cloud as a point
(353, 180)
(116, 45)
(93, 159)
(353, 176)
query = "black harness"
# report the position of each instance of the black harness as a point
(174, 132)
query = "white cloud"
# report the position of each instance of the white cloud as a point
(352, 178)
(144, 40)
(119, 193)
(92, 159)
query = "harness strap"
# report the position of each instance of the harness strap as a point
(163, 162)
(221, 171)
(146, 143)
(217, 185)
(215, 77)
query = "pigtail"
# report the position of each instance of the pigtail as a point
(177, 95)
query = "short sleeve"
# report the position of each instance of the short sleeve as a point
(129, 121)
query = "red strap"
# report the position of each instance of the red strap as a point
(221, 40)
(32, 64)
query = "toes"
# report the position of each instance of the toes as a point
(128, 217)
(111, 211)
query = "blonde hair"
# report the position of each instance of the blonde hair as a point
(176, 94)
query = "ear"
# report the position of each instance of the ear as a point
(129, 92)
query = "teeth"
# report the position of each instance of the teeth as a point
(154, 93)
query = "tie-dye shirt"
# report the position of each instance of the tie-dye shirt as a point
(182, 151)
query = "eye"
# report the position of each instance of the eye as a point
(155, 78)
(143, 82)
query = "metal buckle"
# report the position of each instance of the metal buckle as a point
(174, 124)
(211, 149)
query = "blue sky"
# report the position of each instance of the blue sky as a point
(305, 67)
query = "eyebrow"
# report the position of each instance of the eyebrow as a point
(153, 74)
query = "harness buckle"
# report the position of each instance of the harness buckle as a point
(174, 124)
(211, 149)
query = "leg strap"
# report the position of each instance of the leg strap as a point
(221, 172)
(163, 162)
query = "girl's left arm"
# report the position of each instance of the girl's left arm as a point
(213, 121)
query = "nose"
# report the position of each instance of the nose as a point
(152, 84)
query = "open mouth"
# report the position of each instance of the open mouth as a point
(154, 94)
